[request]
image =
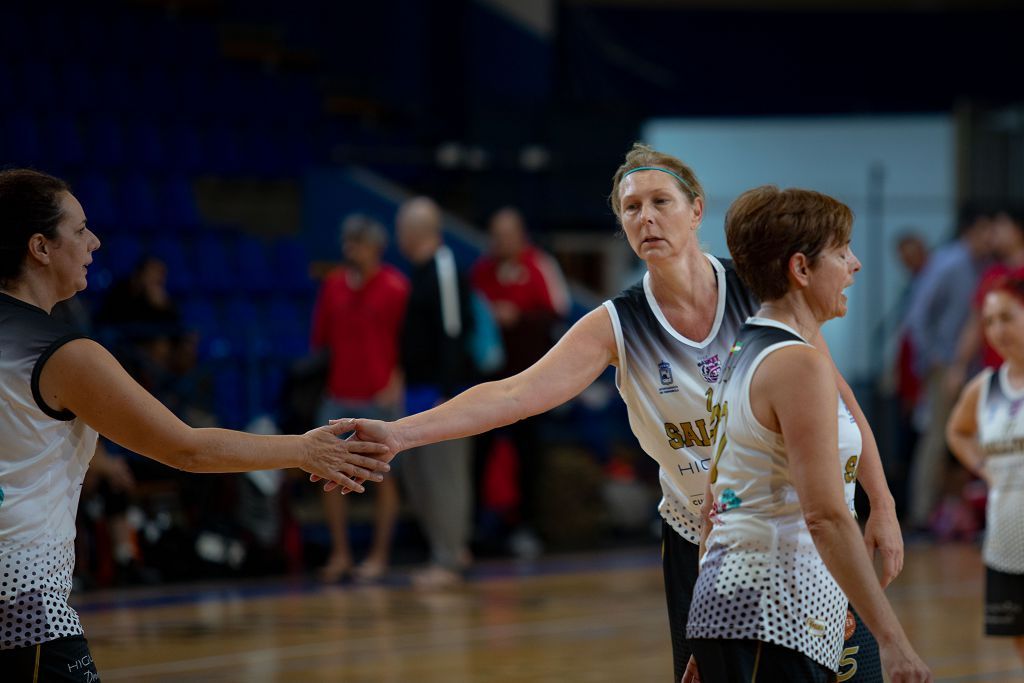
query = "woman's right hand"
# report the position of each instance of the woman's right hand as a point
(902, 665)
(344, 462)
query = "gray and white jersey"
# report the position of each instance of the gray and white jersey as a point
(761, 577)
(43, 458)
(668, 384)
(1001, 436)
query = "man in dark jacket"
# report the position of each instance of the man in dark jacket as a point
(437, 365)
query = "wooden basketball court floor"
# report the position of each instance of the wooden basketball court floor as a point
(569, 618)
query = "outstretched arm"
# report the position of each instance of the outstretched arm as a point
(567, 369)
(82, 376)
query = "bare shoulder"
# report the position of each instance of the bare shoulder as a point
(795, 374)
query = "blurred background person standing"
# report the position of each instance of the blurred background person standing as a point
(936, 316)
(436, 364)
(528, 295)
(357, 321)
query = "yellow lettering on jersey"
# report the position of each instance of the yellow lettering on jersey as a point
(691, 436)
(675, 439)
(850, 470)
(848, 660)
(705, 438)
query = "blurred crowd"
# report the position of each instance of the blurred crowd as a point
(389, 339)
(938, 346)
(385, 340)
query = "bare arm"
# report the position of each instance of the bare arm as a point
(567, 369)
(962, 429)
(795, 389)
(84, 378)
(882, 529)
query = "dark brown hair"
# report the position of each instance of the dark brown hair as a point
(29, 204)
(766, 226)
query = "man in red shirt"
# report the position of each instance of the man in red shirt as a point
(357, 319)
(527, 294)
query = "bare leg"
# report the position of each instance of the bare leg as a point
(339, 562)
(385, 516)
(1018, 642)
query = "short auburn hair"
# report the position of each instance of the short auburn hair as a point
(766, 226)
(641, 155)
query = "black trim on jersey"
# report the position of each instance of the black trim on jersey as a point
(995, 387)
(32, 327)
(37, 370)
(633, 308)
(759, 336)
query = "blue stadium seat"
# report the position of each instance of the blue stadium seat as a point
(137, 204)
(216, 266)
(144, 146)
(179, 270)
(97, 197)
(178, 204)
(290, 263)
(289, 326)
(22, 140)
(105, 143)
(117, 256)
(184, 150)
(254, 271)
(64, 147)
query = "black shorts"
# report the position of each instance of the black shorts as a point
(679, 562)
(860, 662)
(65, 660)
(1004, 603)
(743, 661)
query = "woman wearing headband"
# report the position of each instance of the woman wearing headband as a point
(668, 337)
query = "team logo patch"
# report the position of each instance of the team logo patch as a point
(710, 368)
(665, 371)
(665, 375)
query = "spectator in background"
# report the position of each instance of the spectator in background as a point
(905, 385)
(357, 319)
(139, 311)
(938, 312)
(436, 364)
(1008, 246)
(527, 294)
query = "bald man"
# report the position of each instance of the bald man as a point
(437, 365)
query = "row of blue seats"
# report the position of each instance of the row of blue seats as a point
(142, 204)
(223, 147)
(209, 262)
(142, 88)
(250, 328)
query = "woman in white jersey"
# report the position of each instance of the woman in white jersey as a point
(783, 551)
(57, 390)
(668, 337)
(986, 432)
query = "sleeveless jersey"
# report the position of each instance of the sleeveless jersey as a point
(1001, 436)
(761, 577)
(667, 382)
(43, 458)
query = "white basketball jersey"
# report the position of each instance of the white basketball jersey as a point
(43, 458)
(1001, 436)
(761, 577)
(667, 382)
